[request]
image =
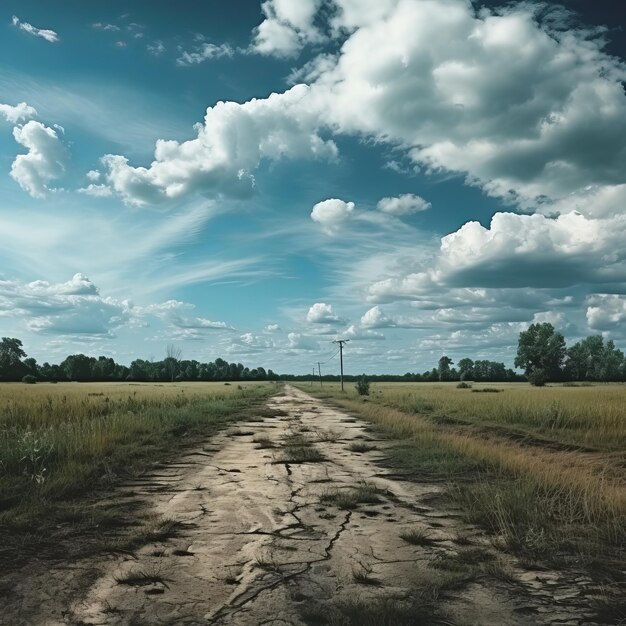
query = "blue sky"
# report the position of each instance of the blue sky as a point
(252, 180)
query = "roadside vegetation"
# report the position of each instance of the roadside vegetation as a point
(541, 468)
(62, 446)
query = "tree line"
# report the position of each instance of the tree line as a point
(542, 354)
(15, 366)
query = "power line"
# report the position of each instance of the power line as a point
(330, 359)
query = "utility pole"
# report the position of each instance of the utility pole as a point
(320, 372)
(313, 376)
(341, 342)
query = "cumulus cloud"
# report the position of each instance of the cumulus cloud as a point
(358, 333)
(44, 33)
(288, 26)
(272, 328)
(297, 341)
(533, 250)
(44, 162)
(322, 313)
(331, 214)
(71, 308)
(97, 191)
(518, 251)
(205, 52)
(521, 108)
(18, 113)
(179, 315)
(406, 204)
(606, 311)
(229, 146)
(376, 318)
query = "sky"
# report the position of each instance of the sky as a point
(254, 180)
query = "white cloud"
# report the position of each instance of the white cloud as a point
(44, 162)
(297, 341)
(97, 191)
(204, 52)
(517, 251)
(606, 311)
(104, 26)
(331, 214)
(272, 328)
(322, 313)
(376, 318)
(521, 109)
(358, 333)
(71, 308)
(177, 314)
(157, 48)
(18, 113)
(48, 35)
(406, 204)
(229, 146)
(287, 28)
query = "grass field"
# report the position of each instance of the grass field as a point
(62, 444)
(542, 468)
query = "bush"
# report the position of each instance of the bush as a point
(363, 386)
(29, 379)
(463, 385)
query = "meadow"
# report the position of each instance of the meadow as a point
(543, 469)
(63, 444)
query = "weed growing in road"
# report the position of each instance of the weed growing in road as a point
(418, 537)
(361, 447)
(352, 497)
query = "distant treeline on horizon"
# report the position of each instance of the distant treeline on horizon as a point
(542, 352)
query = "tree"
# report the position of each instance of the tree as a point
(612, 362)
(591, 359)
(443, 369)
(11, 355)
(78, 367)
(540, 353)
(172, 357)
(466, 369)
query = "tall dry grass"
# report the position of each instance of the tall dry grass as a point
(590, 416)
(541, 499)
(61, 440)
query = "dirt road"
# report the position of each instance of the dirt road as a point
(292, 520)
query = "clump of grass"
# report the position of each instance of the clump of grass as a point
(351, 498)
(140, 578)
(327, 436)
(294, 439)
(463, 385)
(301, 454)
(239, 432)
(263, 442)
(388, 611)
(359, 446)
(267, 561)
(363, 575)
(487, 390)
(418, 537)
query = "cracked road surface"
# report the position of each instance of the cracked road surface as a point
(264, 533)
